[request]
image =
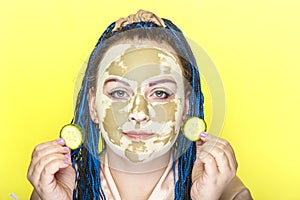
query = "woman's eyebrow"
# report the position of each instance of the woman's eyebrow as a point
(161, 82)
(116, 80)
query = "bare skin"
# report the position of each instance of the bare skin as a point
(51, 172)
(52, 176)
(214, 168)
(136, 185)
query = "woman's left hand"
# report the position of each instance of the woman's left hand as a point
(214, 168)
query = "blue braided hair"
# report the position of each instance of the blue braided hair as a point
(86, 164)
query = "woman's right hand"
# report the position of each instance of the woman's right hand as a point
(51, 172)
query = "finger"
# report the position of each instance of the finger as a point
(198, 169)
(221, 143)
(210, 166)
(37, 163)
(44, 145)
(47, 178)
(220, 151)
(36, 170)
(226, 144)
(226, 147)
(200, 143)
(229, 152)
(51, 148)
(221, 158)
(39, 148)
(198, 149)
(206, 137)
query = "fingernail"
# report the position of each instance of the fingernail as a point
(203, 134)
(67, 161)
(66, 149)
(60, 141)
(68, 157)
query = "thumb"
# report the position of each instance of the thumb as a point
(198, 168)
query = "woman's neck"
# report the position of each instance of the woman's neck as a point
(136, 180)
(133, 186)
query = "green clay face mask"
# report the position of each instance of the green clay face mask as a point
(140, 101)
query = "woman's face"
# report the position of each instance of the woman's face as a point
(139, 101)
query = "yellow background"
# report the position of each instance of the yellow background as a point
(254, 44)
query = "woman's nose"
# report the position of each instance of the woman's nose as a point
(139, 111)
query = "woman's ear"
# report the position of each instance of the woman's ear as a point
(92, 105)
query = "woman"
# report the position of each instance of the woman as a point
(140, 84)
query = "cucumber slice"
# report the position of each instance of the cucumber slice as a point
(73, 135)
(193, 127)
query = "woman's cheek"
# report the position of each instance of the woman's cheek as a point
(115, 117)
(164, 111)
(167, 113)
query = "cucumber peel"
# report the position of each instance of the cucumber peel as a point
(73, 135)
(192, 128)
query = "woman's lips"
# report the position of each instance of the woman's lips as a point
(138, 135)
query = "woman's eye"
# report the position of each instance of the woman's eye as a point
(119, 94)
(161, 94)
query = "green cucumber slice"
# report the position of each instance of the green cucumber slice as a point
(192, 128)
(73, 135)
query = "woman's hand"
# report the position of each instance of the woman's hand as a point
(50, 171)
(214, 168)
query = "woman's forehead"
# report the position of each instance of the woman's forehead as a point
(139, 62)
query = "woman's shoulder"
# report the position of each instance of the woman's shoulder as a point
(236, 190)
